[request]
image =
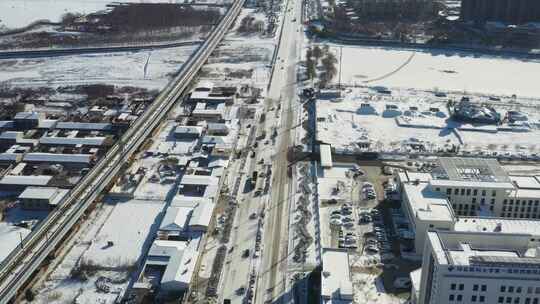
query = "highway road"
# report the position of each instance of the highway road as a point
(21, 264)
(272, 282)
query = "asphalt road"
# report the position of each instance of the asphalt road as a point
(272, 284)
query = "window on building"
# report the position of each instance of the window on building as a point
(449, 191)
(468, 192)
(511, 289)
(473, 298)
(492, 201)
(451, 297)
(461, 286)
(501, 300)
(508, 299)
(484, 287)
(462, 191)
(530, 289)
(482, 201)
(453, 286)
(483, 192)
(518, 289)
(475, 287)
(516, 300)
(505, 201)
(493, 192)
(527, 300)
(459, 298)
(475, 192)
(482, 299)
(456, 191)
(503, 288)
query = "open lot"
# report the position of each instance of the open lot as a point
(432, 69)
(361, 117)
(147, 69)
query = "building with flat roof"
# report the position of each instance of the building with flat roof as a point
(336, 283)
(71, 160)
(188, 132)
(54, 141)
(17, 183)
(28, 120)
(325, 152)
(209, 112)
(186, 220)
(41, 198)
(217, 129)
(466, 187)
(513, 12)
(478, 267)
(199, 186)
(169, 265)
(83, 126)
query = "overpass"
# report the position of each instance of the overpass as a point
(49, 234)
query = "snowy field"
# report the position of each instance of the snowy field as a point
(10, 237)
(344, 124)
(123, 69)
(128, 227)
(19, 13)
(436, 69)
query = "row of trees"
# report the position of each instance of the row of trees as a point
(249, 25)
(327, 61)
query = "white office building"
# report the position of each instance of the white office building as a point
(465, 187)
(478, 267)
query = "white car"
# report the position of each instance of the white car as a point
(335, 217)
(336, 222)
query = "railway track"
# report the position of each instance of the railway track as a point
(23, 261)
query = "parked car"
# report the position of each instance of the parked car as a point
(336, 222)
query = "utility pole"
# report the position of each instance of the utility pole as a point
(340, 57)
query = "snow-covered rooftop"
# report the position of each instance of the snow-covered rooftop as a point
(73, 141)
(58, 158)
(87, 126)
(52, 194)
(427, 204)
(503, 225)
(335, 278)
(28, 180)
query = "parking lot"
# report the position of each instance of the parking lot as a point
(372, 230)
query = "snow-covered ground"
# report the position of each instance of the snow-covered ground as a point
(18, 13)
(10, 237)
(125, 68)
(239, 52)
(128, 227)
(344, 124)
(368, 289)
(431, 69)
